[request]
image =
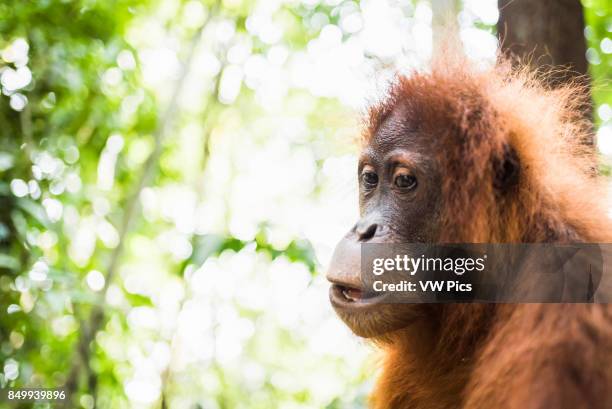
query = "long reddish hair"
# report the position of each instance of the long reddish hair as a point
(477, 119)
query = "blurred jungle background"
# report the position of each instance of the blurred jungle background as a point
(174, 175)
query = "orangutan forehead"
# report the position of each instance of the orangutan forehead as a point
(388, 120)
(409, 107)
(384, 118)
(422, 103)
(397, 128)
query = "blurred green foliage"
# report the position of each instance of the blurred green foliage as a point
(143, 263)
(598, 31)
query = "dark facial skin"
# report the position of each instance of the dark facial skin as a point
(399, 191)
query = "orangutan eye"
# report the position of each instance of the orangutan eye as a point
(405, 181)
(369, 179)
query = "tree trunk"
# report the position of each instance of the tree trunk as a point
(552, 31)
(547, 33)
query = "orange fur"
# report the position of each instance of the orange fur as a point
(502, 356)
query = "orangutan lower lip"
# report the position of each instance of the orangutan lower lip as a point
(345, 296)
(351, 294)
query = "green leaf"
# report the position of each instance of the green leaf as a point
(35, 210)
(9, 262)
